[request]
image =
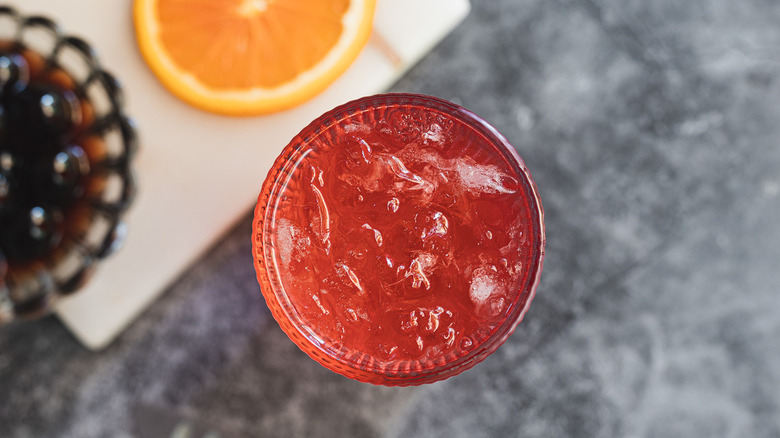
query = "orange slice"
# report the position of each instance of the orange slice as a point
(249, 57)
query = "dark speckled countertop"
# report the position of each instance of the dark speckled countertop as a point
(652, 129)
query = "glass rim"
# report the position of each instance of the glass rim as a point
(338, 360)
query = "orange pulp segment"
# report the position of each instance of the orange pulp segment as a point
(249, 57)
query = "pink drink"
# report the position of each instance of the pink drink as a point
(398, 239)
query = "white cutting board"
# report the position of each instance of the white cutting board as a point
(199, 172)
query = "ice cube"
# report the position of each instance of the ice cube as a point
(420, 268)
(356, 127)
(434, 134)
(480, 178)
(292, 243)
(484, 285)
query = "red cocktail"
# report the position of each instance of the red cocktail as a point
(398, 239)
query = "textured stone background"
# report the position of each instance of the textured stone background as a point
(653, 131)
